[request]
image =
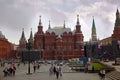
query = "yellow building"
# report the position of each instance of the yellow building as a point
(106, 41)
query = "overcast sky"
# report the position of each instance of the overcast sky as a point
(18, 14)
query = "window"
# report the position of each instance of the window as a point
(58, 47)
(70, 47)
(48, 47)
(64, 47)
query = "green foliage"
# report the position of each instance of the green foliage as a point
(98, 66)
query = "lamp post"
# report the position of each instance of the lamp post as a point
(29, 47)
(41, 54)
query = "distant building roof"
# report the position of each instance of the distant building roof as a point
(59, 30)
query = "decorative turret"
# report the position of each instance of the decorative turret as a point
(40, 27)
(93, 24)
(78, 35)
(23, 36)
(49, 25)
(39, 36)
(31, 40)
(78, 20)
(116, 32)
(22, 41)
(117, 21)
(78, 26)
(31, 35)
(40, 24)
(117, 14)
(93, 35)
(116, 35)
(64, 24)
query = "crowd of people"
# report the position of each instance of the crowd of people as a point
(36, 66)
(55, 70)
(9, 71)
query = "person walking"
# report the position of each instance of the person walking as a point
(102, 74)
(5, 72)
(60, 71)
(86, 68)
(10, 71)
(93, 69)
(57, 71)
(34, 67)
(38, 66)
(51, 71)
(14, 70)
(18, 65)
(54, 69)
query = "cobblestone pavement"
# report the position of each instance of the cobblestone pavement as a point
(117, 67)
(43, 74)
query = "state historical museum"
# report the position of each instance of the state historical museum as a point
(59, 42)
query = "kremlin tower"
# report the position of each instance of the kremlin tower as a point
(93, 35)
(22, 41)
(116, 32)
(39, 37)
(116, 35)
(31, 39)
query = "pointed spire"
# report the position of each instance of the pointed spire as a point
(49, 25)
(64, 24)
(31, 40)
(93, 24)
(93, 35)
(23, 35)
(31, 35)
(117, 21)
(40, 24)
(78, 20)
(117, 12)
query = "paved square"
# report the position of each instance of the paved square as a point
(43, 74)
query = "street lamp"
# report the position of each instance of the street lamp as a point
(59, 55)
(29, 47)
(118, 46)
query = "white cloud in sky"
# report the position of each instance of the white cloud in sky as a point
(18, 14)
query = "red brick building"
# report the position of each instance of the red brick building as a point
(60, 42)
(6, 48)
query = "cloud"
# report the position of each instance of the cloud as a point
(115, 2)
(104, 14)
(18, 14)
